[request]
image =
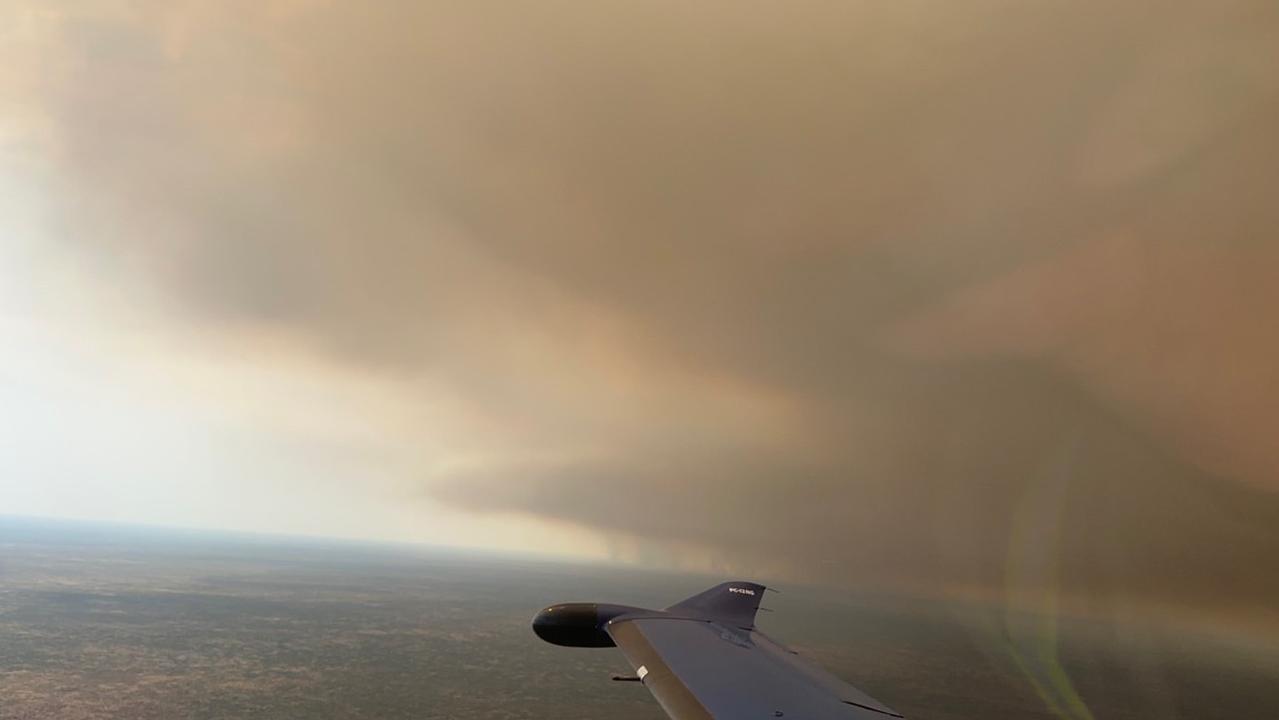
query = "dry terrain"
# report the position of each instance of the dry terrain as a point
(112, 622)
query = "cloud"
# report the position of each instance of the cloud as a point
(823, 290)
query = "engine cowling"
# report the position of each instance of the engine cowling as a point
(578, 624)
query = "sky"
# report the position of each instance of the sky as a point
(966, 300)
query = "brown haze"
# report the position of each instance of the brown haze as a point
(871, 292)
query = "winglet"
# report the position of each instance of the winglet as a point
(733, 603)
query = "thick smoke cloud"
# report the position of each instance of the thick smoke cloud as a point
(866, 292)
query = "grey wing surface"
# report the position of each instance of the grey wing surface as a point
(698, 669)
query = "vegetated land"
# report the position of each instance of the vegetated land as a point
(114, 622)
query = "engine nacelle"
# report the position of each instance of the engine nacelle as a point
(578, 624)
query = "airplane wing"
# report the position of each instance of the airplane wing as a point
(703, 658)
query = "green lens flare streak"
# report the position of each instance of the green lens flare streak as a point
(1029, 631)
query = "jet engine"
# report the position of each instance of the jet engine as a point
(578, 624)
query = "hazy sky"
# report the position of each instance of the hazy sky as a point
(972, 299)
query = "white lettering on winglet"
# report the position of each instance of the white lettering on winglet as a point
(741, 591)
